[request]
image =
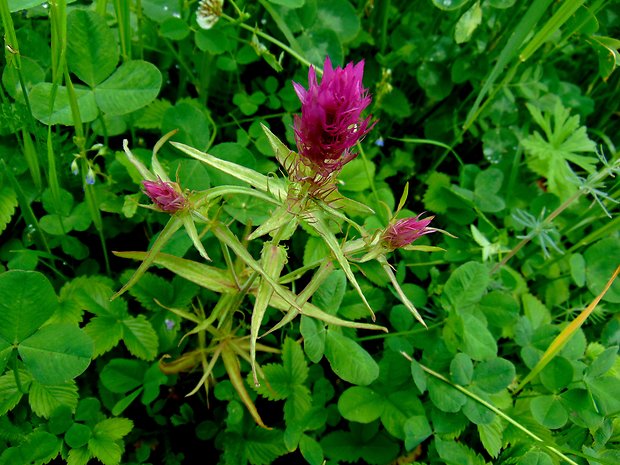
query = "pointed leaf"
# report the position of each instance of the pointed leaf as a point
(321, 227)
(92, 52)
(133, 85)
(140, 337)
(231, 363)
(273, 259)
(209, 277)
(44, 399)
(190, 228)
(105, 331)
(173, 225)
(8, 203)
(60, 112)
(255, 179)
(56, 353)
(27, 300)
(349, 360)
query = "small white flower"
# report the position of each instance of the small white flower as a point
(208, 13)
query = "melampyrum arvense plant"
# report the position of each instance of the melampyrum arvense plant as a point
(327, 131)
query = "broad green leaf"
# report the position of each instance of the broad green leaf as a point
(455, 453)
(356, 175)
(133, 85)
(92, 51)
(449, 5)
(329, 295)
(461, 369)
(603, 363)
(140, 337)
(476, 412)
(361, 404)
(77, 435)
(477, 340)
(174, 29)
(126, 401)
(494, 375)
(149, 288)
(106, 333)
(466, 285)
(349, 360)
(27, 300)
(16, 5)
(56, 353)
(6, 349)
(262, 446)
(79, 456)
(606, 393)
(491, 436)
(549, 411)
(192, 125)
(60, 112)
(399, 407)
(37, 447)
(313, 332)
(318, 42)
(601, 259)
(8, 203)
(123, 375)
(113, 429)
(444, 396)
(340, 17)
(311, 450)
(10, 393)
(417, 429)
(108, 451)
(44, 399)
(557, 375)
(535, 457)
(467, 23)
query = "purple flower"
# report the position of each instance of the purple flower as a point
(330, 122)
(407, 230)
(165, 195)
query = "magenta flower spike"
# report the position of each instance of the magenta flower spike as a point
(406, 231)
(330, 122)
(165, 195)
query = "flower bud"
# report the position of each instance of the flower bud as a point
(405, 231)
(166, 196)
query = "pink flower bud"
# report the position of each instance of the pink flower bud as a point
(165, 195)
(330, 122)
(407, 230)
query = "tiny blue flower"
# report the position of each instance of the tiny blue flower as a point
(379, 142)
(75, 168)
(169, 324)
(90, 177)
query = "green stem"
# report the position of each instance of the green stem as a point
(273, 40)
(493, 409)
(528, 238)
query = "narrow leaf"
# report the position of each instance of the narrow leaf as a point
(171, 227)
(273, 259)
(562, 338)
(321, 227)
(255, 179)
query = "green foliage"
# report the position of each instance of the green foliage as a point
(486, 113)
